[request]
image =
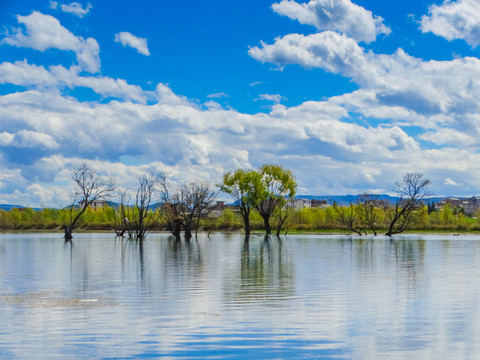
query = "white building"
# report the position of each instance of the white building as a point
(97, 204)
(298, 204)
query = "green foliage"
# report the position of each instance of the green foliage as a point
(245, 187)
(277, 183)
(304, 219)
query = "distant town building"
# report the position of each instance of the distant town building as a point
(319, 203)
(469, 206)
(96, 204)
(217, 210)
(298, 204)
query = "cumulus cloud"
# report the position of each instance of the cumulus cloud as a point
(454, 20)
(360, 140)
(44, 32)
(127, 39)
(58, 77)
(446, 136)
(427, 93)
(327, 50)
(188, 140)
(33, 139)
(337, 15)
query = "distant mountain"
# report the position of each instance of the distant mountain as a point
(347, 199)
(8, 207)
(116, 205)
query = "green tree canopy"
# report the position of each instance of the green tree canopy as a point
(277, 183)
(245, 187)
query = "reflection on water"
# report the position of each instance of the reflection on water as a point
(219, 297)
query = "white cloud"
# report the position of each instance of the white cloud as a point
(450, 182)
(33, 139)
(76, 8)
(218, 95)
(57, 77)
(327, 50)
(448, 136)
(360, 140)
(44, 32)
(186, 141)
(255, 83)
(338, 15)
(127, 39)
(275, 98)
(201, 143)
(425, 93)
(454, 20)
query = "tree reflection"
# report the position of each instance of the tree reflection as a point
(184, 262)
(266, 273)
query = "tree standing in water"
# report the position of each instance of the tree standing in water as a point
(277, 184)
(246, 190)
(90, 187)
(410, 192)
(141, 214)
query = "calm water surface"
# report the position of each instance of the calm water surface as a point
(301, 297)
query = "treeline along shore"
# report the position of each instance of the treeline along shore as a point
(263, 200)
(105, 218)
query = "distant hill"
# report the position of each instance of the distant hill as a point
(8, 207)
(116, 205)
(347, 199)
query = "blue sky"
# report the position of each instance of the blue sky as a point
(349, 95)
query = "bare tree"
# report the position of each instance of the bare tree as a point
(369, 205)
(122, 222)
(172, 210)
(91, 187)
(141, 214)
(410, 192)
(282, 213)
(172, 217)
(348, 216)
(193, 201)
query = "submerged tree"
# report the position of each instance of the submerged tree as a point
(278, 183)
(349, 217)
(90, 187)
(122, 223)
(245, 187)
(141, 214)
(410, 192)
(281, 214)
(369, 205)
(186, 206)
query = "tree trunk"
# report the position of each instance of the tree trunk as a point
(246, 220)
(177, 228)
(188, 232)
(266, 223)
(68, 232)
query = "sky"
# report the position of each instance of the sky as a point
(348, 95)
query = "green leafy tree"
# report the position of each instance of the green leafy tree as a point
(278, 183)
(246, 190)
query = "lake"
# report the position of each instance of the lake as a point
(300, 297)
